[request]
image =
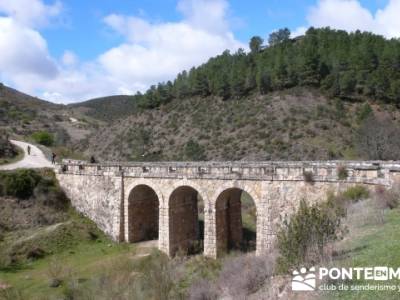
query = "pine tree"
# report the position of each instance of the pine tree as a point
(256, 44)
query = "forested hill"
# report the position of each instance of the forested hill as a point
(325, 95)
(346, 65)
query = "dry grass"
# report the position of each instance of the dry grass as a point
(240, 277)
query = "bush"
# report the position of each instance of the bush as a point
(194, 151)
(342, 173)
(364, 112)
(301, 241)
(24, 184)
(20, 183)
(239, 277)
(356, 193)
(244, 275)
(203, 290)
(387, 198)
(48, 192)
(308, 176)
(44, 138)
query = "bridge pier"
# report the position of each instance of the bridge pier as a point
(210, 231)
(163, 233)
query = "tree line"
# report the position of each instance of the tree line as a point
(346, 65)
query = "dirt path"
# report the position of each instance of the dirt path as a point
(35, 160)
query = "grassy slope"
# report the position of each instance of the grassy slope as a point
(79, 256)
(84, 260)
(372, 245)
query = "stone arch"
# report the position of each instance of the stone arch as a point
(196, 185)
(244, 186)
(130, 184)
(143, 214)
(184, 228)
(230, 233)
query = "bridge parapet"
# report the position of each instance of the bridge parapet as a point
(368, 172)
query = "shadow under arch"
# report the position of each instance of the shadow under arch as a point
(186, 225)
(236, 223)
(143, 214)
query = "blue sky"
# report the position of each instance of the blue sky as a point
(83, 19)
(72, 50)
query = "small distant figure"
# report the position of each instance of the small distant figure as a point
(53, 158)
(29, 150)
(92, 160)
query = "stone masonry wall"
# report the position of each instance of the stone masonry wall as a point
(102, 193)
(98, 198)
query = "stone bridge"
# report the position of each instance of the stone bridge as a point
(140, 201)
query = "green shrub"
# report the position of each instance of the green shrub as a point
(308, 176)
(24, 184)
(194, 151)
(301, 240)
(356, 193)
(342, 173)
(364, 112)
(20, 183)
(44, 138)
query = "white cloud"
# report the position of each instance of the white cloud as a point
(350, 15)
(389, 19)
(69, 58)
(24, 51)
(208, 15)
(156, 52)
(151, 52)
(33, 13)
(299, 31)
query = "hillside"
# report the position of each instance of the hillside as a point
(20, 113)
(296, 124)
(21, 116)
(107, 108)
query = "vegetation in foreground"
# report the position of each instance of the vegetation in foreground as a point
(372, 240)
(356, 228)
